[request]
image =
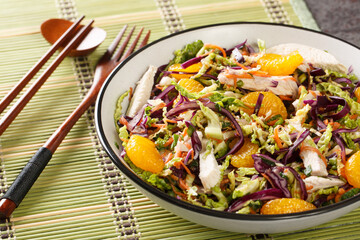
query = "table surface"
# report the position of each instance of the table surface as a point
(81, 194)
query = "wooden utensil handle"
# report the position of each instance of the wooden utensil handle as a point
(28, 176)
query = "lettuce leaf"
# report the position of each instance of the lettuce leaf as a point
(188, 52)
(337, 91)
(325, 139)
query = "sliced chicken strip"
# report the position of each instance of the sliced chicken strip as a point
(142, 91)
(316, 57)
(209, 170)
(315, 183)
(279, 85)
(311, 159)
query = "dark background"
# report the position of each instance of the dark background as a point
(340, 18)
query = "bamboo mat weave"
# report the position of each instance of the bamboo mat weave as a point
(81, 194)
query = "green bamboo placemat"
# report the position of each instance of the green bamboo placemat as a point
(81, 194)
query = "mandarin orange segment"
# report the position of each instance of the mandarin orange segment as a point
(352, 170)
(191, 69)
(143, 153)
(286, 205)
(280, 65)
(271, 105)
(357, 94)
(191, 85)
(242, 158)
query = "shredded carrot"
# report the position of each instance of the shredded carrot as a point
(340, 193)
(158, 125)
(260, 73)
(169, 157)
(303, 176)
(331, 196)
(131, 93)
(268, 179)
(185, 132)
(124, 140)
(353, 116)
(312, 93)
(177, 154)
(170, 120)
(335, 125)
(285, 98)
(300, 89)
(309, 187)
(276, 137)
(186, 169)
(177, 164)
(241, 65)
(123, 121)
(322, 130)
(187, 145)
(183, 184)
(168, 142)
(304, 148)
(159, 87)
(342, 170)
(216, 47)
(337, 198)
(245, 75)
(174, 177)
(205, 54)
(252, 211)
(207, 95)
(160, 106)
(183, 195)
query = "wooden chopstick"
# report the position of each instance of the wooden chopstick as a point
(31, 73)
(25, 98)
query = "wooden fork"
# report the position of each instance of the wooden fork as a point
(22, 184)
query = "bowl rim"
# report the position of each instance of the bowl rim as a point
(186, 205)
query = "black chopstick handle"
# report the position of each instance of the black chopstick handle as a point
(28, 176)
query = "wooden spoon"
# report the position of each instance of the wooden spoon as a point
(52, 30)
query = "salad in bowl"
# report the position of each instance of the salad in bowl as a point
(245, 129)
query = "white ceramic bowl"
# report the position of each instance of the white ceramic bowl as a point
(226, 35)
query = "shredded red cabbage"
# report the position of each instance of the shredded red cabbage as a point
(188, 156)
(344, 130)
(274, 83)
(267, 194)
(237, 55)
(263, 162)
(278, 182)
(298, 141)
(317, 72)
(337, 100)
(191, 61)
(165, 92)
(239, 46)
(192, 105)
(343, 80)
(353, 91)
(297, 176)
(258, 103)
(195, 140)
(338, 139)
